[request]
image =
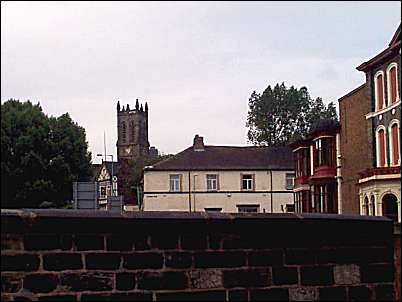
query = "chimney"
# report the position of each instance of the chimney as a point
(198, 144)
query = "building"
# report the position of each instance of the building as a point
(317, 179)
(370, 143)
(221, 179)
(132, 141)
(107, 182)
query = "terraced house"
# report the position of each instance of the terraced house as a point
(221, 179)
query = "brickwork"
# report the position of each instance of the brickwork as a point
(87, 256)
(354, 138)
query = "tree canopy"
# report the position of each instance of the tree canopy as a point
(280, 115)
(40, 156)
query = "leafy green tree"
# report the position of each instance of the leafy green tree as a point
(281, 114)
(40, 156)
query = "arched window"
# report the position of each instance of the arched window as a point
(390, 207)
(372, 205)
(379, 90)
(394, 143)
(123, 132)
(381, 150)
(366, 206)
(392, 83)
(131, 131)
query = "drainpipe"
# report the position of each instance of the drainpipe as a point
(189, 192)
(339, 172)
(272, 202)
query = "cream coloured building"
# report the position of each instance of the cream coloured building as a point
(221, 179)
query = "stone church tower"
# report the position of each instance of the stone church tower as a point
(132, 131)
(132, 140)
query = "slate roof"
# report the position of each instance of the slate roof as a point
(228, 158)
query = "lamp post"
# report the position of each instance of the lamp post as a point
(111, 177)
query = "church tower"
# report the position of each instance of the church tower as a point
(132, 131)
(132, 140)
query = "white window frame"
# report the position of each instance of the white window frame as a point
(212, 182)
(385, 103)
(175, 182)
(391, 142)
(377, 143)
(250, 182)
(290, 176)
(101, 195)
(390, 66)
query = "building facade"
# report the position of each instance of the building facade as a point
(221, 179)
(317, 180)
(355, 155)
(106, 178)
(380, 184)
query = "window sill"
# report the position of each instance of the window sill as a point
(386, 109)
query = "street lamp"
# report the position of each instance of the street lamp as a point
(111, 177)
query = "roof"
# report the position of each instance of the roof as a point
(228, 158)
(352, 92)
(108, 164)
(392, 49)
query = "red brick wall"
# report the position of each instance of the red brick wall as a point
(355, 149)
(87, 256)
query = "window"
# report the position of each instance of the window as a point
(123, 132)
(102, 191)
(213, 210)
(175, 183)
(325, 198)
(212, 182)
(372, 205)
(248, 208)
(381, 155)
(392, 80)
(302, 164)
(366, 206)
(247, 182)
(290, 181)
(395, 144)
(379, 90)
(132, 131)
(324, 152)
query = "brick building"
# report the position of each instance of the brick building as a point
(317, 183)
(370, 137)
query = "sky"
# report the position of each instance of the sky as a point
(195, 63)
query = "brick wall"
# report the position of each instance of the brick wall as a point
(54, 255)
(354, 139)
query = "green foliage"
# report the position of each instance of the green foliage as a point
(138, 163)
(280, 115)
(40, 156)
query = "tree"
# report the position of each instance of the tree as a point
(281, 114)
(40, 156)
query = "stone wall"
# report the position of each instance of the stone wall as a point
(54, 255)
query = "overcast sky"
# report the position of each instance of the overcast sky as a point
(196, 63)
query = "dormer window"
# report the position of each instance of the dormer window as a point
(379, 90)
(392, 80)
